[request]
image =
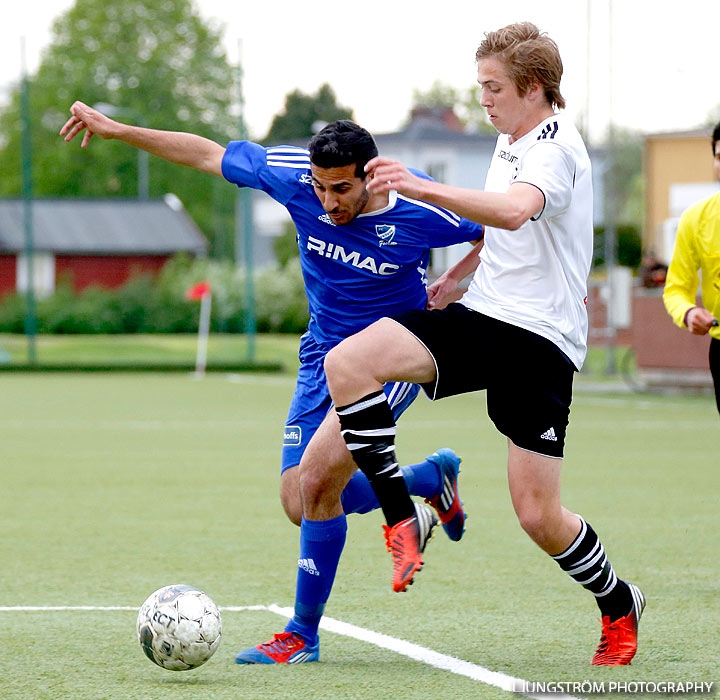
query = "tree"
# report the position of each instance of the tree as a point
(302, 112)
(163, 67)
(465, 104)
(285, 246)
(625, 174)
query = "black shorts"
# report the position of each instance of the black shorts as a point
(527, 377)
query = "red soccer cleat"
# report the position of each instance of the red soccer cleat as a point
(618, 643)
(406, 542)
(283, 648)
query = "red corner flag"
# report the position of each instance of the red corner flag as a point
(198, 291)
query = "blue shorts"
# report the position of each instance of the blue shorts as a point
(311, 401)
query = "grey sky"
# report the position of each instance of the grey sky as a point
(374, 53)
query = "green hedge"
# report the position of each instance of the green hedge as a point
(158, 305)
(628, 250)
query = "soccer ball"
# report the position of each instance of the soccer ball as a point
(179, 627)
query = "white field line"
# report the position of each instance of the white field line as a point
(384, 641)
(102, 608)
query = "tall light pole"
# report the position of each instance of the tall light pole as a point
(610, 213)
(27, 189)
(244, 231)
(588, 35)
(143, 174)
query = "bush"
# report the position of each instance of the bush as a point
(285, 246)
(282, 305)
(628, 249)
(158, 305)
(12, 313)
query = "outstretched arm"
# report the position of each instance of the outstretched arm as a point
(176, 146)
(508, 210)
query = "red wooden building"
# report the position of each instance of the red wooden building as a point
(92, 242)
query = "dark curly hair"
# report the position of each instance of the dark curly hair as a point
(343, 143)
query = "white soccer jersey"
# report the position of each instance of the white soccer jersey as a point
(536, 277)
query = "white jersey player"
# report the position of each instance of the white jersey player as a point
(538, 279)
(519, 333)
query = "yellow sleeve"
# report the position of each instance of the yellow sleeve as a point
(683, 280)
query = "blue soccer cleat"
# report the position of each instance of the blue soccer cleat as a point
(447, 501)
(283, 648)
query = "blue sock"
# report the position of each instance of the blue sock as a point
(358, 496)
(421, 479)
(321, 544)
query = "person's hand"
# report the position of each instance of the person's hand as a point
(385, 175)
(441, 292)
(699, 320)
(84, 117)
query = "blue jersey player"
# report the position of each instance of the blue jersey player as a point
(363, 257)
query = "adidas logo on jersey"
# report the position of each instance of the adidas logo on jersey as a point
(325, 218)
(549, 131)
(549, 435)
(309, 566)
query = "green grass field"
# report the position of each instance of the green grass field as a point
(114, 485)
(147, 349)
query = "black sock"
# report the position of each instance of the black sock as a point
(368, 428)
(586, 563)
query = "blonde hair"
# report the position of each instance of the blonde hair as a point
(530, 57)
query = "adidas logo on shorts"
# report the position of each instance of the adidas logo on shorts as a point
(549, 435)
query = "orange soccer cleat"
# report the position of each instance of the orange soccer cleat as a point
(406, 542)
(618, 643)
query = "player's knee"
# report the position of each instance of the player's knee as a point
(290, 496)
(339, 365)
(536, 523)
(316, 488)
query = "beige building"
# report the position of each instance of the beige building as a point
(678, 171)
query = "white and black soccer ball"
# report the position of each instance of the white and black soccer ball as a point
(179, 627)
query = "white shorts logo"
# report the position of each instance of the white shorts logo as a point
(549, 435)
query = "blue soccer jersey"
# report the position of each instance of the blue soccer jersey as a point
(359, 272)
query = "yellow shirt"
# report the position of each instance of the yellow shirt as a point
(697, 248)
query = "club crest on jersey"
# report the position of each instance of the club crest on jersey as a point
(386, 233)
